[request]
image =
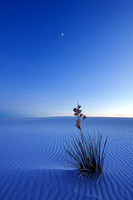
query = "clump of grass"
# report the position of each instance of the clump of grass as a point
(86, 152)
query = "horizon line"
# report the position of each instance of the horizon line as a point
(99, 116)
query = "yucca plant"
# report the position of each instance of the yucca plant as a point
(86, 152)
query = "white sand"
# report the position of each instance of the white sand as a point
(32, 160)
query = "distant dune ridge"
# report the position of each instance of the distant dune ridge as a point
(32, 160)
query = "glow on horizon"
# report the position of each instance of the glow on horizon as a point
(88, 115)
(104, 115)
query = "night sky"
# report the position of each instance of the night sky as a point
(55, 53)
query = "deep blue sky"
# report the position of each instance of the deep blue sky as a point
(43, 73)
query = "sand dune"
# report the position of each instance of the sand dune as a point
(32, 162)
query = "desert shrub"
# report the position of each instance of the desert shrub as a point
(86, 152)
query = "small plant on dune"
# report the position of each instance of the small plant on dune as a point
(86, 152)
